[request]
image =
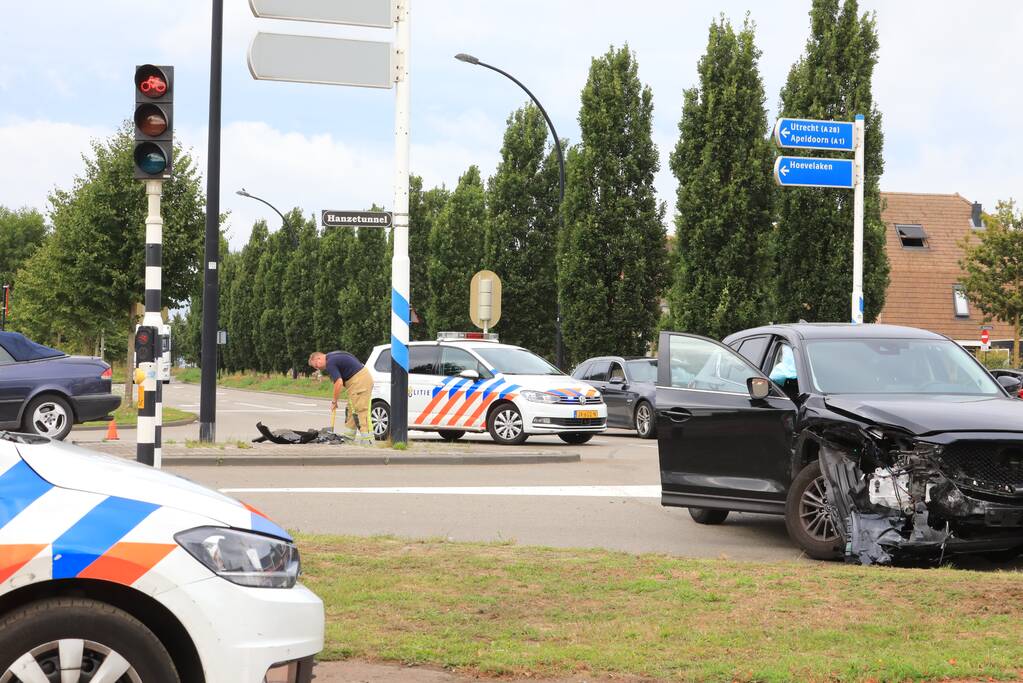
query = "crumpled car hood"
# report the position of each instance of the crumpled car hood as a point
(920, 414)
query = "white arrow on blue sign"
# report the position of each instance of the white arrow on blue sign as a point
(809, 172)
(813, 134)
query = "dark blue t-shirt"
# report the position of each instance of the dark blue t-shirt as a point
(342, 365)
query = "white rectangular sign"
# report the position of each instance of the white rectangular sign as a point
(331, 61)
(378, 13)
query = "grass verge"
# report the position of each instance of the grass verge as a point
(127, 416)
(254, 381)
(501, 609)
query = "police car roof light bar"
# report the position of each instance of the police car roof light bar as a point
(475, 336)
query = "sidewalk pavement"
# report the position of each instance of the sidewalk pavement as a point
(418, 453)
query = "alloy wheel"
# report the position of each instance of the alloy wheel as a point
(71, 660)
(643, 419)
(508, 424)
(49, 418)
(815, 512)
(379, 418)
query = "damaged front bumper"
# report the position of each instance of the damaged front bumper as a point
(897, 499)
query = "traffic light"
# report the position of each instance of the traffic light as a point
(154, 121)
(145, 344)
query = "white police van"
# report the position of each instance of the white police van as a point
(468, 382)
(114, 571)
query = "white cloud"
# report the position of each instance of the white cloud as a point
(38, 156)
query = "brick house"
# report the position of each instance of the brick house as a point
(923, 233)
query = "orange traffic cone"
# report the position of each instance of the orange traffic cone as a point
(112, 431)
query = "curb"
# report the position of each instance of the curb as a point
(317, 460)
(176, 423)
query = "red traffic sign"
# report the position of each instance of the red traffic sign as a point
(985, 337)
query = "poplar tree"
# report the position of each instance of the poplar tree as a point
(271, 343)
(814, 240)
(424, 208)
(613, 257)
(723, 165)
(242, 323)
(364, 303)
(299, 301)
(522, 230)
(456, 248)
(332, 269)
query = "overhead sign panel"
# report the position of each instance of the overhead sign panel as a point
(813, 134)
(330, 61)
(355, 219)
(377, 13)
(809, 172)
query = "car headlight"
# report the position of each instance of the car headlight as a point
(539, 396)
(243, 557)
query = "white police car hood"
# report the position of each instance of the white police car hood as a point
(72, 467)
(559, 385)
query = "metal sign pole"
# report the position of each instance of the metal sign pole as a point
(857, 292)
(150, 417)
(400, 259)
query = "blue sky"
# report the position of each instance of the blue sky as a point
(947, 84)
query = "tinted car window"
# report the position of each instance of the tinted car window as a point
(598, 371)
(454, 361)
(643, 370)
(423, 360)
(753, 349)
(383, 363)
(580, 371)
(5, 357)
(617, 372)
(701, 364)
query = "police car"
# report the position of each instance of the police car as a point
(468, 382)
(115, 572)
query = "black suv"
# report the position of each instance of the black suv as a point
(880, 443)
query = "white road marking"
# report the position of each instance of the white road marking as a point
(256, 405)
(565, 491)
(305, 405)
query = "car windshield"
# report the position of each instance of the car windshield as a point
(643, 370)
(896, 366)
(512, 361)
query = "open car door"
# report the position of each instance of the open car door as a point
(719, 447)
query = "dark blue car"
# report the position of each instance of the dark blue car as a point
(45, 391)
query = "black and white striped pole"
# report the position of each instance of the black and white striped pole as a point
(153, 159)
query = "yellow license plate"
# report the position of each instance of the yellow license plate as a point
(586, 413)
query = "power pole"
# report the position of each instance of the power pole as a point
(211, 282)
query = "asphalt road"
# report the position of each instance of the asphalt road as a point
(609, 499)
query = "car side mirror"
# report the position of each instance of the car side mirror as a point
(616, 380)
(469, 374)
(759, 388)
(1010, 384)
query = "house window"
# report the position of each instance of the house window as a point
(912, 236)
(960, 303)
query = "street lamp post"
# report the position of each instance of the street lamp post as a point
(559, 351)
(244, 193)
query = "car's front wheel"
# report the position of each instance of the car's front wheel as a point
(808, 516)
(380, 419)
(644, 421)
(506, 426)
(49, 416)
(73, 639)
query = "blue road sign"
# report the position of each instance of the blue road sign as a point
(809, 172)
(812, 134)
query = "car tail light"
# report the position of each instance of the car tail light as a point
(107, 374)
